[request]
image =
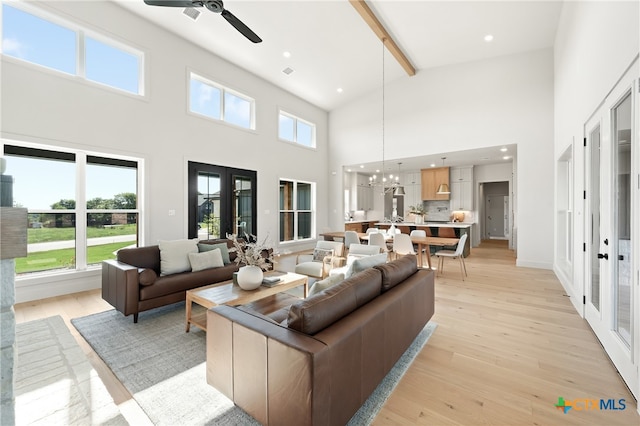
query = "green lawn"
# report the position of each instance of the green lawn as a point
(65, 258)
(45, 235)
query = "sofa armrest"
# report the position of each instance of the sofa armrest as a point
(120, 286)
(268, 370)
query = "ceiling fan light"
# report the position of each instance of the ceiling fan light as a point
(443, 189)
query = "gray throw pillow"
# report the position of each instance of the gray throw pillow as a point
(224, 250)
(359, 265)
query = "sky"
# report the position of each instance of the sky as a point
(37, 40)
(40, 183)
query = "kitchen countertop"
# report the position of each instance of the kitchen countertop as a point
(361, 221)
(431, 224)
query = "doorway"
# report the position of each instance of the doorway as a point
(495, 217)
(222, 200)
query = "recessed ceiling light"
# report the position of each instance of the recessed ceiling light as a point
(506, 157)
(286, 54)
(503, 149)
(348, 170)
(339, 89)
(377, 170)
(433, 165)
(488, 38)
(362, 166)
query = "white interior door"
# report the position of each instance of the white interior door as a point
(611, 226)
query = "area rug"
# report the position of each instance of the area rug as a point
(164, 368)
(54, 381)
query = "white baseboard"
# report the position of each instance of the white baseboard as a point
(530, 264)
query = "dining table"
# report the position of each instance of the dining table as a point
(422, 242)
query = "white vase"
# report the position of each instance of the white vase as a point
(250, 277)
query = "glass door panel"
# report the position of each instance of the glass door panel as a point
(243, 205)
(622, 258)
(594, 237)
(208, 212)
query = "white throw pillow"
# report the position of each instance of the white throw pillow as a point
(332, 280)
(174, 255)
(206, 260)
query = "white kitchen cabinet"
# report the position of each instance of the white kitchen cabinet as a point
(412, 194)
(364, 193)
(461, 188)
(461, 174)
(461, 196)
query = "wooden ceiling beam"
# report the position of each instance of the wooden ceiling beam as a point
(370, 18)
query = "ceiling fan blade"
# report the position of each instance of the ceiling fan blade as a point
(240, 26)
(174, 3)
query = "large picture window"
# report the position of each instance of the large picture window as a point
(39, 38)
(81, 208)
(297, 200)
(294, 129)
(213, 100)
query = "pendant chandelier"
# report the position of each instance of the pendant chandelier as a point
(392, 182)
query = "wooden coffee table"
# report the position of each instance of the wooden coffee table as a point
(227, 293)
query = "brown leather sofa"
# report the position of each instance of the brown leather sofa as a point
(321, 363)
(131, 287)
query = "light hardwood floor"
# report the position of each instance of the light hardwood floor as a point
(508, 344)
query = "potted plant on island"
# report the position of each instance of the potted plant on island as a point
(254, 257)
(418, 212)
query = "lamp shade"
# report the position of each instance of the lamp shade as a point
(399, 191)
(443, 189)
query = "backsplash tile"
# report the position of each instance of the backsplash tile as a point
(437, 210)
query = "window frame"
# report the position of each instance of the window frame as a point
(296, 211)
(193, 75)
(81, 212)
(80, 54)
(297, 119)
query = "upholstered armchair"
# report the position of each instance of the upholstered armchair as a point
(325, 256)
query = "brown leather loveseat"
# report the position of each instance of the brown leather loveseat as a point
(132, 283)
(321, 363)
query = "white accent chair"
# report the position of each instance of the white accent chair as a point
(326, 255)
(402, 245)
(373, 230)
(457, 254)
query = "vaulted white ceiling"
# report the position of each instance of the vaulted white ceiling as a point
(331, 47)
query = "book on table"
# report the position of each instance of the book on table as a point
(271, 280)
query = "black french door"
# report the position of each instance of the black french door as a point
(222, 200)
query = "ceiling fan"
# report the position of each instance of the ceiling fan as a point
(215, 6)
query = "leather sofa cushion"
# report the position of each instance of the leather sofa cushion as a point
(323, 309)
(141, 257)
(393, 273)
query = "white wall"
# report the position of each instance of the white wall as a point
(486, 103)
(45, 107)
(595, 43)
